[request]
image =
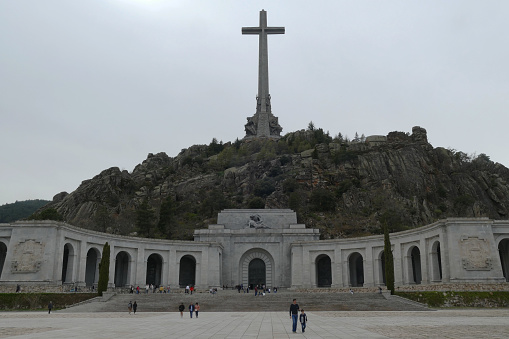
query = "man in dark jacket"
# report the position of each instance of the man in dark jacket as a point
(191, 309)
(181, 309)
(294, 314)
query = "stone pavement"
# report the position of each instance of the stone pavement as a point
(464, 324)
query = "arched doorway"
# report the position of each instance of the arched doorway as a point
(503, 250)
(122, 269)
(323, 271)
(436, 262)
(257, 273)
(356, 269)
(92, 267)
(187, 271)
(154, 269)
(3, 254)
(67, 264)
(244, 267)
(415, 261)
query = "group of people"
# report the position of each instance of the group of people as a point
(151, 288)
(258, 289)
(294, 314)
(192, 308)
(132, 307)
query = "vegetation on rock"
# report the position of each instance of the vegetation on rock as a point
(344, 188)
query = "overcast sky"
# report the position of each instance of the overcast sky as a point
(88, 85)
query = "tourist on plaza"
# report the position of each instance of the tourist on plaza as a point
(146, 289)
(256, 290)
(196, 309)
(130, 306)
(137, 289)
(135, 307)
(191, 309)
(294, 314)
(181, 309)
(303, 320)
(50, 307)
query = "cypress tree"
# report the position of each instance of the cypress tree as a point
(104, 270)
(389, 261)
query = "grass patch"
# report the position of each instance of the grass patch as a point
(38, 301)
(459, 299)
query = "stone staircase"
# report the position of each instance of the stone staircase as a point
(232, 301)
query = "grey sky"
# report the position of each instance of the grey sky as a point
(87, 85)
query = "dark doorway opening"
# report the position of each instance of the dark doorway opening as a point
(257, 273)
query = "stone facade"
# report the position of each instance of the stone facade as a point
(257, 247)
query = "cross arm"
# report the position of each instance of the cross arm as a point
(251, 30)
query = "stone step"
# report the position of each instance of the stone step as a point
(231, 301)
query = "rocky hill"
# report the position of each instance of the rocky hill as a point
(345, 188)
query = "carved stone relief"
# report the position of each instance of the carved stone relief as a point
(475, 253)
(27, 257)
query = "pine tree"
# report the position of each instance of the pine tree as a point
(104, 270)
(145, 219)
(389, 261)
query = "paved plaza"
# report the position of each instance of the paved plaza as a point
(464, 324)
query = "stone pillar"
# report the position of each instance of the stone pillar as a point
(173, 272)
(113, 264)
(82, 263)
(337, 271)
(368, 268)
(398, 265)
(141, 268)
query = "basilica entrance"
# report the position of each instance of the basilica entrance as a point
(256, 273)
(256, 267)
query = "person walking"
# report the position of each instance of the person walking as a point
(181, 309)
(130, 307)
(196, 309)
(294, 314)
(303, 320)
(191, 309)
(135, 307)
(50, 307)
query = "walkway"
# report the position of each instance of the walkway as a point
(461, 324)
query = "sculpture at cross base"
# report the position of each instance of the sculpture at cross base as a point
(263, 123)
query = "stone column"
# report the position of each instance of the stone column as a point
(113, 264)
(141, 268)
(368, 268)
(337, 270)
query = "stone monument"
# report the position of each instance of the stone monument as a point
(263, 124)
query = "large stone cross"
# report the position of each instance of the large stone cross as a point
(263, 123)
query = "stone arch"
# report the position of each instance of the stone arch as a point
(323, 271)
(356, 269)
(503, 250)
(267, 259)
(92, 266)
(68, 264)
(381, 268)
(154, 269)
(187, 271)
(3, 255)
(436, 262)
(122, 269)
(414, 265)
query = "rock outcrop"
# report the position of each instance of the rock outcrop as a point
(343, 188)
